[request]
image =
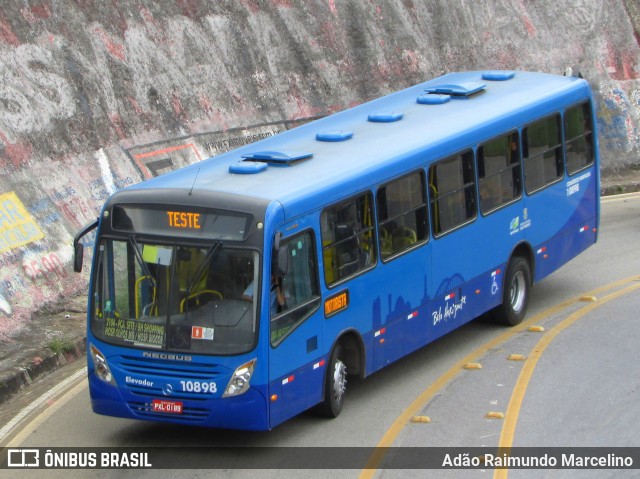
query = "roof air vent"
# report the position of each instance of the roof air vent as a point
(433, 99)
(277, 157)
(258, 161)
(334, 135)
(498, 75)
(385, 117)
(461, 90)
(247, 167)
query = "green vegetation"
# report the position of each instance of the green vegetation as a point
(60, 345)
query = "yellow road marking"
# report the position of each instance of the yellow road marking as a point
(520, 389)
(418, 404)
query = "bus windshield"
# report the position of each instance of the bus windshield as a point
(178, 298)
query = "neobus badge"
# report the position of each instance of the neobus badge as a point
(336, 303)
(182, 219)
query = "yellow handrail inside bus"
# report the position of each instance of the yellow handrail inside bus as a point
(204, 291)
(436, 208)
(138, 292)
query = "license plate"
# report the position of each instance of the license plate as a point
(170, 407)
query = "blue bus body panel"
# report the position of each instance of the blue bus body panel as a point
(569, 226)
(396, 306)
(141, 381)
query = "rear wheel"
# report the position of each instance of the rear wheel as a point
(515, 297)
(335, 385)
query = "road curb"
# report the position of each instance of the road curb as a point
(614, 190)
(17, 379)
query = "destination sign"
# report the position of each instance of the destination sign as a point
(184, 222)
(183, 219)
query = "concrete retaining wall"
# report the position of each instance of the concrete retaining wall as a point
(97, 95)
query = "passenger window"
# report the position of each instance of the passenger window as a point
(578, 130)
(452, 192)
(348, 246)
(542, 154)
(499, 172)
(294, 293)
(402, 214)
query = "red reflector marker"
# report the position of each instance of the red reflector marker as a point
(318, 365)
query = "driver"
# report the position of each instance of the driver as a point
(278, 300)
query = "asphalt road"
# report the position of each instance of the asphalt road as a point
(572, 381)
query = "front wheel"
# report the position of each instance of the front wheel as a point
(515, 297)
(335, 385)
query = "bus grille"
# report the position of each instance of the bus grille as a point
(171, 369)
(152, 393)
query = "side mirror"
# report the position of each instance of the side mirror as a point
(78, 248)
(78, 255)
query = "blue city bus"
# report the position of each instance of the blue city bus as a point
(244, 289)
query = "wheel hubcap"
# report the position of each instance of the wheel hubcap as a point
(339, 380)
(518, 291)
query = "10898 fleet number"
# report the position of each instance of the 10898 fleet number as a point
(199, 387)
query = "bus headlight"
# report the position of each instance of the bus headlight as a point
(100, 366)
(239, 382)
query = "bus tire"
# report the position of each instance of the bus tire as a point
(515, 296)
(335, 385)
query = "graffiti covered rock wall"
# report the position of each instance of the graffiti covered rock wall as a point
(97, 95)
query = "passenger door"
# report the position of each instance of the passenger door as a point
(295, 373)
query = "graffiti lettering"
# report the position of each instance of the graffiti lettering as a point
(32, 83)
(229, 143)
(48, 267)
(17, 227)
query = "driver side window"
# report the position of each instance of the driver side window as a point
(295, 291)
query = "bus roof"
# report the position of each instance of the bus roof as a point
(344, 153)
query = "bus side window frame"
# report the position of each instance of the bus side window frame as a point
(515, 166)
(402, 238)
(468, 186)
(586, 134)
(331, 240)
(528, 158)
